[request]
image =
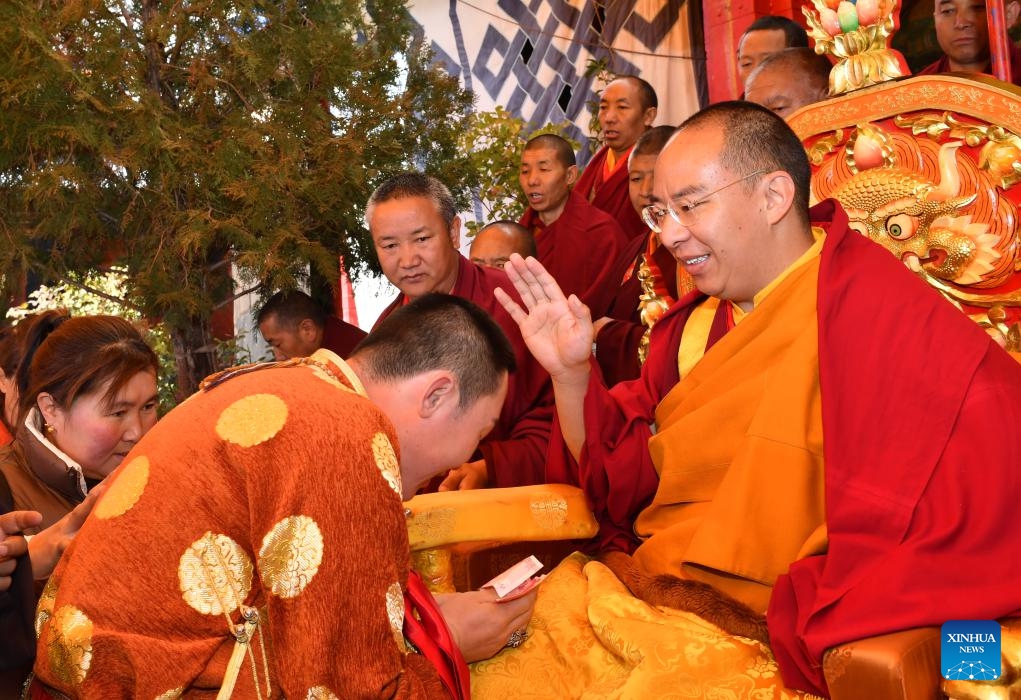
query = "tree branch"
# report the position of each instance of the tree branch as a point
(237, 296)
(103, 295)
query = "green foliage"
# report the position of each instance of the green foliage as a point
(172, 136)
(493, 142)
(599, 70)
(97, 293)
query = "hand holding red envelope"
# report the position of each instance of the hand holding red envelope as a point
(516, 581)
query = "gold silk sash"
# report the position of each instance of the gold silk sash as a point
(739, 453)
(696, 335)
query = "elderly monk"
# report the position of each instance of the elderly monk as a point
(962, 32)
(627, 108)
(254, 541)
(576, 242)
(647, 272)
(294, 325)
(416, 233)
(787, 81)
(764, 458)
(495, 242)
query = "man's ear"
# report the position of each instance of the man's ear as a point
(572, 175)
(650, 116)
(48, 408)
(779, 195)
(440, 394)
(1012, 11)
(455, 233)
(307, 329)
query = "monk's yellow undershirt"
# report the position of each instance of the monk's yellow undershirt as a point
(700, 322)
(611, 160)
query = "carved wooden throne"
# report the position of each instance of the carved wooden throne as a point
(928, 168)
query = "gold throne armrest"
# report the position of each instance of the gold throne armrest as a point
(445, 527)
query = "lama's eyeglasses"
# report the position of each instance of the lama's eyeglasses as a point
(684, 214)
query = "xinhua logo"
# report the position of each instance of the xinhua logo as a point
(970, 650)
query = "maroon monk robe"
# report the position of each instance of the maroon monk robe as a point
(515, 450)
(341, 337)
(611, 195)
(616, 470)
(943, 65)
(618, 341)
(579, 249)
(919, 416)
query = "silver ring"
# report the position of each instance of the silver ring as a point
(517, 638)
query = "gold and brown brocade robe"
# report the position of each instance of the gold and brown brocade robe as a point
(276, 491)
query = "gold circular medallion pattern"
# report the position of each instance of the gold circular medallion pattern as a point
(70, 645)
(386, 461)
(252, 420)
(395, 612)
(320, 692)
(290, 555)
(215, 574)
(44, 610)
(126, 489)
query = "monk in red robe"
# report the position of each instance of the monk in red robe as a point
(810, 435)
(495, 242)
(254, 543)
(648, 276)
(294, 325)
(576, 242)
(789, 80)
(627, 108)
(962, 32)
(416, 233)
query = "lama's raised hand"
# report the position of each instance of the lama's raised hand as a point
(557, 329)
